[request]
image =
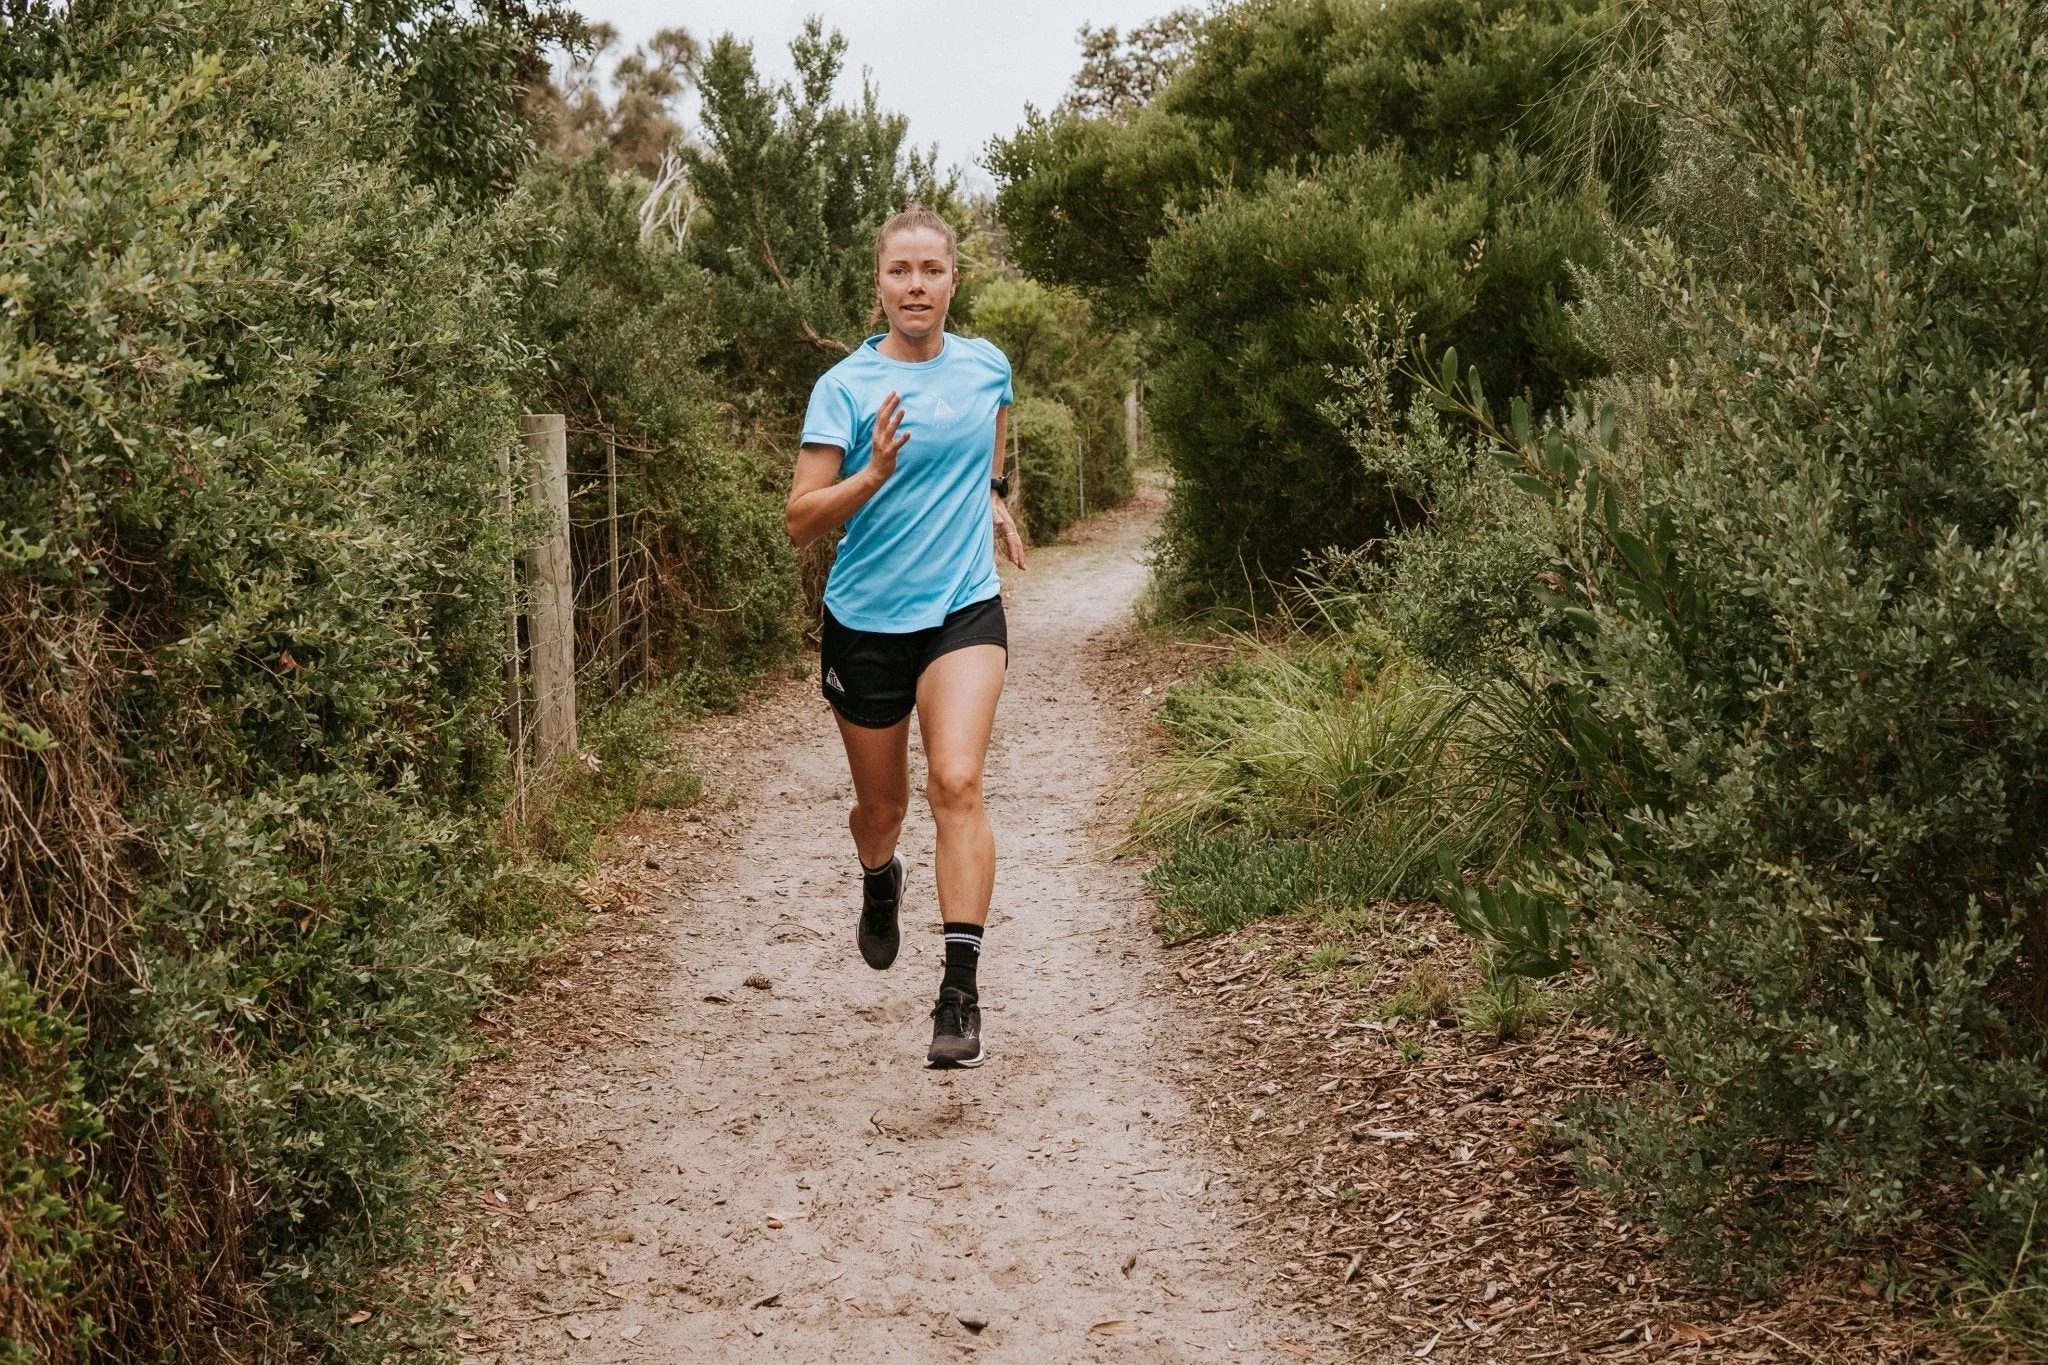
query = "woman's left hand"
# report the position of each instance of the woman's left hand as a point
(1006, 531)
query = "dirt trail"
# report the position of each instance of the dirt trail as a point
(768, 1171)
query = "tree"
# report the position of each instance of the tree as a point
(792, 188)
(639, 127)
(1120, 75)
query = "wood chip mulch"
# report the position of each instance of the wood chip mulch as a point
(1423, 1205)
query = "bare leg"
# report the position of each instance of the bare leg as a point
(956, 713)
(880, 761)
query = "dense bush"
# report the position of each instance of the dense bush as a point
(1252, 296)
(1775, 596)
(1049, 484)
(259, 376)
(1803, 636)
(1310, 157)
(1059, 352)
(279, 277)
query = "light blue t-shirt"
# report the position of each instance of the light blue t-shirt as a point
(924, 545)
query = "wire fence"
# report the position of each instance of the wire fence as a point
(585, 586)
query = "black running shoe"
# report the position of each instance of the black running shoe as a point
(956, 1030)
(877, 933)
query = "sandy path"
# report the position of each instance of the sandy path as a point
(768, 1172)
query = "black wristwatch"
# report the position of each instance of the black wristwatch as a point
(1000, 485)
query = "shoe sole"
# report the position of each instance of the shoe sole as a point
(955, 1064)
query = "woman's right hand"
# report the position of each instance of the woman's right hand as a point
(889, 440)
(821, 501)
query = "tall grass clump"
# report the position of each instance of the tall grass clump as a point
(1328, 770)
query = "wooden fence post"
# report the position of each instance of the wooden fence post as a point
(1131, 420)
(612, 652)
(515, 705)
(1081, 471)
(551, 614)
(646, 612)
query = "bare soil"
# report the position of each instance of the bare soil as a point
(720, 1139)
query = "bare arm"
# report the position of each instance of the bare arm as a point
(820, 501)
(1006, 525)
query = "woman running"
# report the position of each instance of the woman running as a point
(903, 445)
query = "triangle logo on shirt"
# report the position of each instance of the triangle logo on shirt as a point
(941, 409)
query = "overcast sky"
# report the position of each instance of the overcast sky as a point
(962, 70)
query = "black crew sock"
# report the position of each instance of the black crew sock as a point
(963, 955)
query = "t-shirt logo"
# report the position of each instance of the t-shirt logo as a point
(941, 410)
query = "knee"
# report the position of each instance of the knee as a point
(887, 811)
(953, 788)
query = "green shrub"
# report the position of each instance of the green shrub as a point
(52, 1218)
(631, 762)
(1798, 634)
(1058, 350)
(623, 329)
(1046, 440)
(259, 378)
(1311, 157)
(1253, 294)
(1457, 583)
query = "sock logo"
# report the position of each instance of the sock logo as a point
(832, 680)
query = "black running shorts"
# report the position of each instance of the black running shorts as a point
(870, 676)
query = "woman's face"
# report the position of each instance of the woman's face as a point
(916, 280)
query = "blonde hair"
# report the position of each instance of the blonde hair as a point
(912, 217)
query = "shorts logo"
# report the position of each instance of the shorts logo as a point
(832, 680)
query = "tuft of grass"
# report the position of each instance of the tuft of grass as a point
(1999, 1300)
(1425, 993)
(1503, 1003)
(1328, 774)
(631, 761)
(1329, 957)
